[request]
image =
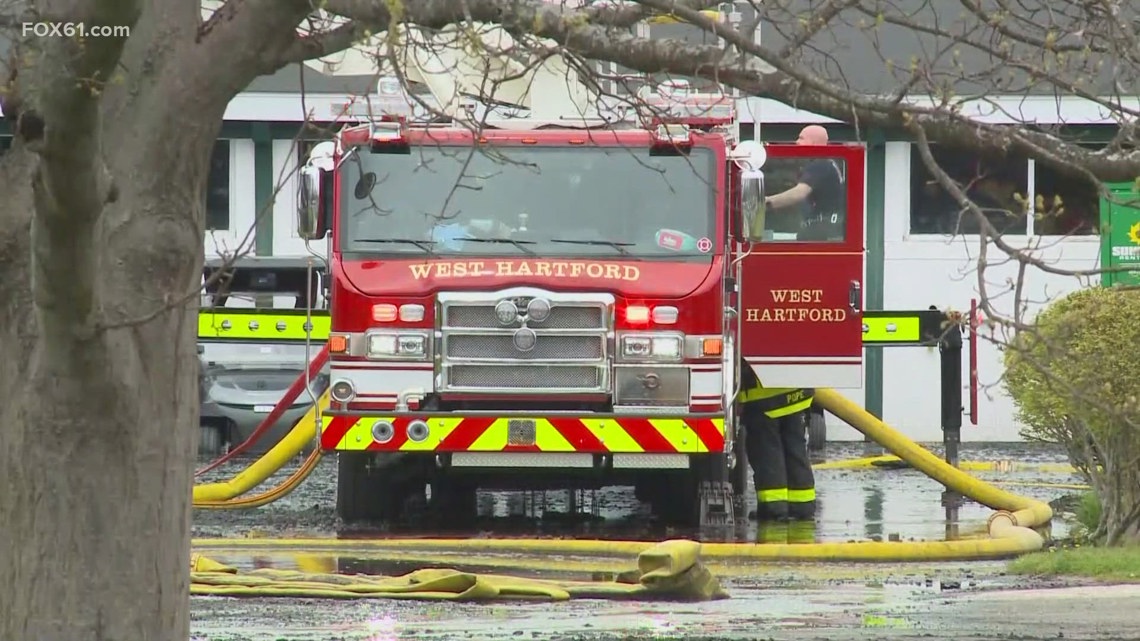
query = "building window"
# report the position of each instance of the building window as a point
(218, 188)
(1064, 205)
(5, 143)
(996, 184)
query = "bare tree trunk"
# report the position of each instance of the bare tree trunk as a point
(99, 421)
(101, 229)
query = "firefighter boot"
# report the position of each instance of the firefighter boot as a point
(766, 457)
(801, 532)
(771, 505)
(771, 533)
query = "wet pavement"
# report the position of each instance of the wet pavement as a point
(817, 601)
(857, 504)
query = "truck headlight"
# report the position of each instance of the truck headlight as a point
(653, 347)
(396, 345)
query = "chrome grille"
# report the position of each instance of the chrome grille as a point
(564, 353)
(525, 377)
(564, 317)
(547, 347)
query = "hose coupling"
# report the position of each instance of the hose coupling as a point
(1001, 515)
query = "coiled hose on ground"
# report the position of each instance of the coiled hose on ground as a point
(224, 495)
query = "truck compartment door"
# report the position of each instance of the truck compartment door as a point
(801, 288)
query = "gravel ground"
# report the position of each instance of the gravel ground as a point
(821, 601)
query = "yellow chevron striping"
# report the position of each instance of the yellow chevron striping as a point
(358, 437)
(549, 439)
(493, 439)
(612, 435)
(679, 435)
(439, 429)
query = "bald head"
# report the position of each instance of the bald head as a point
(812, 135)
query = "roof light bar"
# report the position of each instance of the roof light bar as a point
(675, 102)
(386, 131)
(675, 134)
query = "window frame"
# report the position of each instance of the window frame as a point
(230, 182)
(1030, 225)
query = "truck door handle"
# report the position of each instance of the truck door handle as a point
(855, 298)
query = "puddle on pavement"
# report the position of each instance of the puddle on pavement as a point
(852, 505)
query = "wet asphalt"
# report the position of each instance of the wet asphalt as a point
(818, 601)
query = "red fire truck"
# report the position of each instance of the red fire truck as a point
(542, 302)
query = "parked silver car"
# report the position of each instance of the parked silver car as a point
(244, 381)
(249, 358)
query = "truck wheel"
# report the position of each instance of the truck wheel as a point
(675, 499)
(817, 432)
(369, 492)
(678, 504)
(454, 503)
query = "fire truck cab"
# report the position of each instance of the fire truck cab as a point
(558, 293)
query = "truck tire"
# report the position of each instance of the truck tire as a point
(365, 492)
(674, 499)
(678, 501)
(454, 503)
(817, 432)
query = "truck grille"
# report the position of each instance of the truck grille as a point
(479, 353)
(483, 316)
(548, 347)
(525, 377)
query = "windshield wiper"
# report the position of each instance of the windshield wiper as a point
(521, 244)
(620, 247)
(422, 244)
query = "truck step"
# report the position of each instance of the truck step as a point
(716, 504)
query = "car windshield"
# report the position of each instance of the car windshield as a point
(563, 201)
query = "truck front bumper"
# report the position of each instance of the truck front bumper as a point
(474, 432)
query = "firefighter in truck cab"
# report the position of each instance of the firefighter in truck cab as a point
(818, 194)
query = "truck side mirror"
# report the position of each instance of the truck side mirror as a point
(752, 207)
(310, 223)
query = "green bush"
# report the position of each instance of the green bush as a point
(1088, 512)
(1075, 379)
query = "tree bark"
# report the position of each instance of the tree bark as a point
(1120, 505)
(101, 232)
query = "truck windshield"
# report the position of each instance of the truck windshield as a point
(546, 201)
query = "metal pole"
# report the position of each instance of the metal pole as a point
(950, 355)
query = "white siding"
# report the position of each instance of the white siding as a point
(934, 270)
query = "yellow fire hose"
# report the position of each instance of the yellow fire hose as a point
(666, 570)
(966, 466)
(222, 496)
(1009, 527)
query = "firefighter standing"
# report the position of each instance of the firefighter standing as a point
(776, 445)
